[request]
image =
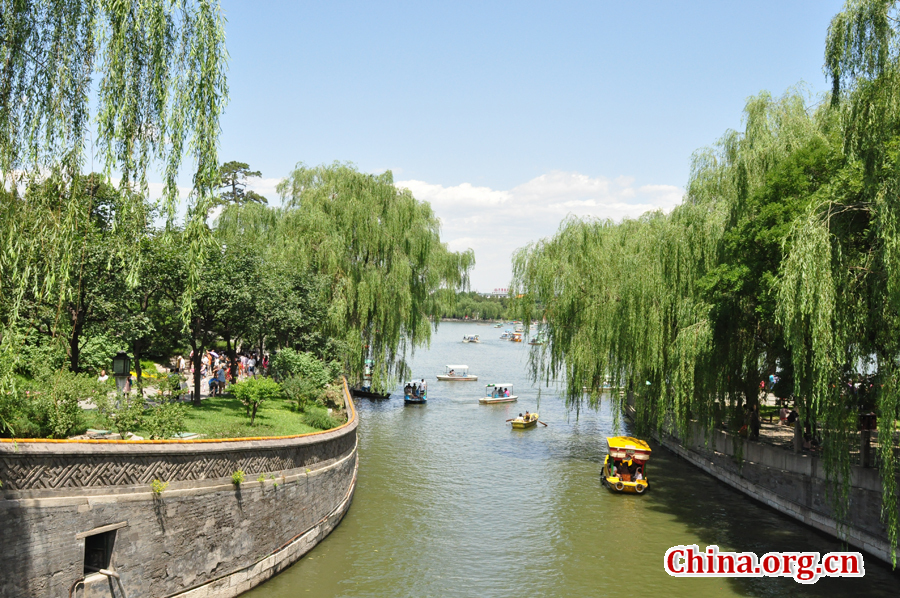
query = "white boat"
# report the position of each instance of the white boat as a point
(498, 393)
(471, 338)
(507, 334)
(457, 373)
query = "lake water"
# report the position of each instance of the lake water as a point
(451, 501)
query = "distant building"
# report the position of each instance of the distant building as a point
(496, 293)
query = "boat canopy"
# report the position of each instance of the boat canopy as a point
(501, 385)
(626, 447)
(457, 367)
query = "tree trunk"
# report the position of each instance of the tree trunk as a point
(197, 377)
(231, 350)
(75, 340)
(136, 349)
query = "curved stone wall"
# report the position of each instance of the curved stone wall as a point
(201, 536)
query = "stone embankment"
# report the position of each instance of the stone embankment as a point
(164, 518)
(794, 484)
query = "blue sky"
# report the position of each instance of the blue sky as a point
(508, 116)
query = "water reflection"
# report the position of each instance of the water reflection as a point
(452, 502)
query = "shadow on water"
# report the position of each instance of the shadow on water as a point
(720, 515)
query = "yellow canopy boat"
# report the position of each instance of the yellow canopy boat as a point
(624, 469)
(525, 421)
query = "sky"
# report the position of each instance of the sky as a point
(508, 117)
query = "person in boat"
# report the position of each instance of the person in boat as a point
(639, 475)
(522, 418)
(505, 392)
(527, 416)
(632, 467)
(407, 390)
(452, 373)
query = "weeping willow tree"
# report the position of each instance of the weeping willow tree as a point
(660, 305)
(389, 275)
(154, 73)
(839, 298)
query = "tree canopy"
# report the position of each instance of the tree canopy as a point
(782, 258)
(154, 72)
(233, 182)
(377, 250)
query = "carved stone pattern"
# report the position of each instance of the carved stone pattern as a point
(38, 472)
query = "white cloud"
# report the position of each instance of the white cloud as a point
(265, 187)
(494, 223)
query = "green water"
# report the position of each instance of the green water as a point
(451, 501)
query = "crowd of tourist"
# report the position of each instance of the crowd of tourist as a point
(219, 371)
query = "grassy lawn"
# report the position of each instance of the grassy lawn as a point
(226, 417)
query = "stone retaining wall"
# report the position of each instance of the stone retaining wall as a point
(794, 484)
(201, 536)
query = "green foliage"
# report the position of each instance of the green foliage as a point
(783, 255)
(158, 487)
(477, 307)
(58, 412)
(261, 478)
(154, 71)
(165, 420)
(376, 249)
(253, 392)
(302, 391)
(98, 352)
(237, 478)
(124, 416)
(289, 363)
(319, 418)
(233, 181)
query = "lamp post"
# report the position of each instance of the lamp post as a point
(121, 370)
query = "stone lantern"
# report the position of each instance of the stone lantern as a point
(121, 370)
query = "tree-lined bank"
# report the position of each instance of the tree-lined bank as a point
(781, 260)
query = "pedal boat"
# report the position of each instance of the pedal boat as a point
(492, 394)
(418, 394)
(471, 338)
(626, 454)
(457, 373)
(520, 423)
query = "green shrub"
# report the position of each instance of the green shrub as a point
(39, 360)
(165, 420)
(253, 392)
(98, 352)
(158, 487)
(302, 391)
(168, 386)
(122, 414)
(57, 402)
(148, 367)
(289, 362)
(237, 478)
(319, 418)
